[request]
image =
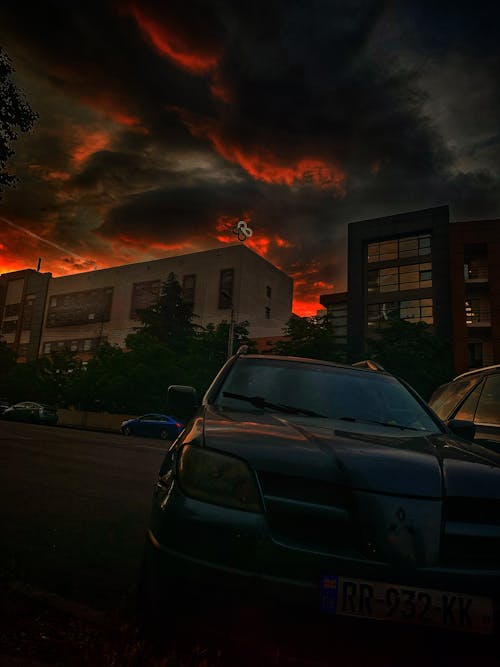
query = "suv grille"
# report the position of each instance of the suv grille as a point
(309, 514)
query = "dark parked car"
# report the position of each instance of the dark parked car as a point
(473, 397)
(153, 426)
(334, 488)
(31, 412)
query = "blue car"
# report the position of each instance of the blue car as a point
(152, 426)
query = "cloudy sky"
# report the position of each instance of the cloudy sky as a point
(163, 123)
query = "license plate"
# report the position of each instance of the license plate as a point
(406, 604)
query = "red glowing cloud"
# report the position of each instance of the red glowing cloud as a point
(262, 164)
(170, 42)
(88, 143)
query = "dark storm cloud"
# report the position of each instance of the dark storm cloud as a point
(165, 118)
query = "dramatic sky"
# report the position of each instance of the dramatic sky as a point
(162, 124)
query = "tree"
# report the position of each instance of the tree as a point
(207, 352)
(169, 320)
(311, 337)
(413, 352)
(15, 115)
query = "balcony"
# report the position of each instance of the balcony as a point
(478, 318)
(476, 272)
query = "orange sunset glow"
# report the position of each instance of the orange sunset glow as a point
(262, 164)
(170, 43)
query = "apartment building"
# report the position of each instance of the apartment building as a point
(85, 309)
(399, 266)
(22, 306)
(475, 297)
(419, 266)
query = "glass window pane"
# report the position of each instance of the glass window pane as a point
(468, 408)
(444, 400)
(408, 247)
(488, 409)
(388, 250)
(373, 281)
(373, 252)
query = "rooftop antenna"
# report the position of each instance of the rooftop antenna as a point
(39, 264)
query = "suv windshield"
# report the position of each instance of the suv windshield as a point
(318, 390)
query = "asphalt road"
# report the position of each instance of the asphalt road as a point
(74, 507)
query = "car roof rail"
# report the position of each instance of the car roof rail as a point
(243, 349)
(477, 370)
(370, 364)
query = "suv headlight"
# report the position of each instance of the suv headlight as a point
(217, 478)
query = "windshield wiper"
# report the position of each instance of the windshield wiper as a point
(260, 402)
(379, 423)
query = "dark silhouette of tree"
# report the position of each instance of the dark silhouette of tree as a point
(170, 319)
(311, 337)
(16, 115)
(414, 353)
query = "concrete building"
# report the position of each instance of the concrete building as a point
(420, 267)
(22, 307)
(85, 309)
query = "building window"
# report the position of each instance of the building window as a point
(409, 246)
(12, 309)
(268, 313)
(413, 310)
(9, 326)
(144, 295)
(80, 307)
(417, 310)
(27, 315)
(76, 345)
(400, 278)
(388, 279)
(188, 288)
(226, 288)
(382, 251)
(268, 291)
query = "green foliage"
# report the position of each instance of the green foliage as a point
(15, 115)
(310, 337)
(207, 352)
(53, 379)
(412, 352)
(169, 319)
(169, 349)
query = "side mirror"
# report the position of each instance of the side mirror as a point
(463, 428)
(182, 402)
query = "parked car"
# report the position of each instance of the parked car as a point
(153, 426)
(28, 411)
(4, 404)
(337, 489)
(473, 397)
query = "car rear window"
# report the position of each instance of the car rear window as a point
(445, 399)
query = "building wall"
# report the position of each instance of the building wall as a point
(22, 305)
(432, 221)
(477, 245)
(257, 285)
(336, 308)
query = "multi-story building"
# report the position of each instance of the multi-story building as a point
(418, 266)
(22, 306)
(398, 266)
(86, 309)
(475, 297)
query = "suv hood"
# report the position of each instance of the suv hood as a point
(360, 456)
